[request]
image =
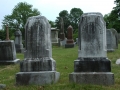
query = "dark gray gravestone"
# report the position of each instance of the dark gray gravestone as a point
(115, 38)
(8, 52)
(38, 66)
(92, 65)
(18, 41)
(109, 38)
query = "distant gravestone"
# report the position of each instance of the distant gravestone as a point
(70, 41)
(18, 41)
(38, 66)
(63, 39)
(54, 36)
(92, 65)
(109, 38)
(115, 38)
(76, 40)
(7, 50)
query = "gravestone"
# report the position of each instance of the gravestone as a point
(38, 66)
(110, 39)
(70, 41)
(18, 41)
(7, 50)
(92, 65)
(54, 36)
(115, 38)
(63, 39)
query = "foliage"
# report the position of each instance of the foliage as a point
(52, 23)
(71, 18)
(75, 14)
(19, 15)
(113, 18)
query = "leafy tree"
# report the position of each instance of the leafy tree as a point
(69, 19)
(75, 14)
(113, 18)
(52, 23)
(19, 15)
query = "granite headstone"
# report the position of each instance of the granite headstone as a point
(38, 66)
(92, 65)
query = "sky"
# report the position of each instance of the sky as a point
(51, 8)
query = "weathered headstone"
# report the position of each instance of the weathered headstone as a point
(70, 41)
(92, 65)
(18, 41)
(38, 66)
(115, 38)
(76, 40)
(110, 39)
(7, 50)
(62, 34)
(54, 36)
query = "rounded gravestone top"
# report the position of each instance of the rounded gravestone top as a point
(18, 32)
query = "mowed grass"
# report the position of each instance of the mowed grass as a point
(64, 64)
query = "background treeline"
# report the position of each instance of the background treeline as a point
(23, 10)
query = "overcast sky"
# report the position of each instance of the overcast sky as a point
(51, 8)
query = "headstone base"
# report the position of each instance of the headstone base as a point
(37, 78)
(69, 45)
(97, 78)
(10, 61)
(110, 50)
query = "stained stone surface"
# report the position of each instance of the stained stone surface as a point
(38, 64)
(70, 41)
(92, 65)
(8, 52)
(110, 40)
(18, 41)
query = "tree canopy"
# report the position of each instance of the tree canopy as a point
(19, 15)
(71, 18)
(113, 18)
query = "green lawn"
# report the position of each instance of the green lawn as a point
(64, 64)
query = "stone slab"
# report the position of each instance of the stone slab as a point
(37, 78)
(92, 65)
(69, 45)
(16, 61)
(96, 78)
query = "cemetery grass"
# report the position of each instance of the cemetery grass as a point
(64, 64)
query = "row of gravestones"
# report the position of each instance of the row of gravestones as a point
(91, 67)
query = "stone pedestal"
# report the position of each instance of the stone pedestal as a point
(96, 78)
(8, 52)
(92, 65)
(37, 78)
(38, 66)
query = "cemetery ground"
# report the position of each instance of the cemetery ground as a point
(65, 65)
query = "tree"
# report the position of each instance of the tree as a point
(52, 23)
(113, 18)
(75, 14)
(69, 19)
(19, 15)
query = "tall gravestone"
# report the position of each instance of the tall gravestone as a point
(38, 66)
(115, 38)
(18, 41)
(109, 36)
(62, 39)
(7, 50)
(92, 65)
(70, 41)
